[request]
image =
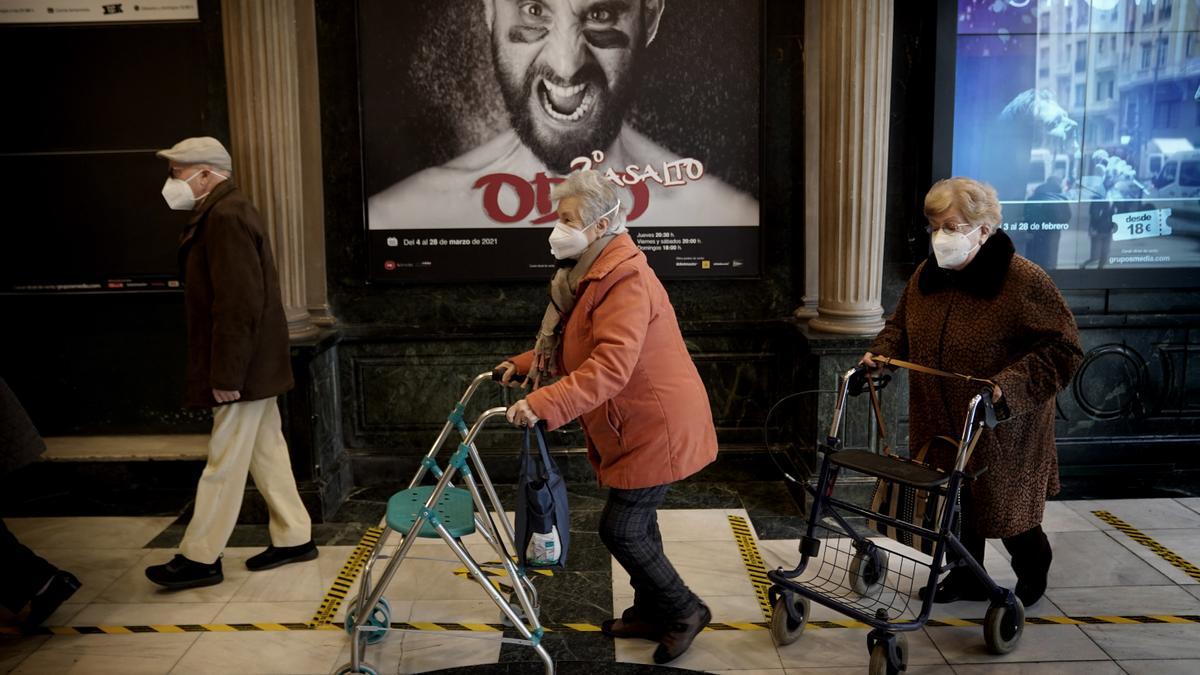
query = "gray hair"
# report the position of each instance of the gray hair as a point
(597, 196)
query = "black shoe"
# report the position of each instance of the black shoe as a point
(182, 573)
(679, 635)
(62, 586)
(958, 585)
(1031, 559)
(632, 624)
(275, 556)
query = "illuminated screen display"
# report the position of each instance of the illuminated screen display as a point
(1085, 116)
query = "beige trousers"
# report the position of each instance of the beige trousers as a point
(246, 437)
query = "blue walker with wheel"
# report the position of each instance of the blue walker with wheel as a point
(448, 512)
(851, 569)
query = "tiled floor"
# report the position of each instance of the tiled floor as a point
(1098, 571)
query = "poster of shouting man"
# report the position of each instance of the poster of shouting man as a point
(473, 109)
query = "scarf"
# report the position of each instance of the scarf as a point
(563, 287)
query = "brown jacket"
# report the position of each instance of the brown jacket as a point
(1003, 319)
(237, 331)
(629, 377)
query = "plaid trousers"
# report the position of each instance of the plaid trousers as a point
(629, 528)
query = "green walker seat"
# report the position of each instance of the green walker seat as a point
(455, 510)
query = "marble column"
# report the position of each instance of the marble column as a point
(855, 96)
(262, 76)
(812, 160)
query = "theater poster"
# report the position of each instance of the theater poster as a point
(473, 109)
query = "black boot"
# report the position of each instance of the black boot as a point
(679, 635)
(275, 556)
(62, 586)
(633, 624)
(1031, 558)
(182, 573)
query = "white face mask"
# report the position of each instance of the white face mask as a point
(953, 248)
(568, 242)
(179, 194)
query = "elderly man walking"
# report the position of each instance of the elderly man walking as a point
(237, 365)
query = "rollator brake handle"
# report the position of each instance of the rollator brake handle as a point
(857, 383)
(989, 407)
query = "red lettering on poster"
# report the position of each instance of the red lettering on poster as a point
(535, 195)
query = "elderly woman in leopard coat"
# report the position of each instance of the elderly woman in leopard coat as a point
(977, 308)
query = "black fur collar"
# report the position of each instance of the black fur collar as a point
(982, 278)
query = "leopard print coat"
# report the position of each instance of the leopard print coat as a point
(1003, 319)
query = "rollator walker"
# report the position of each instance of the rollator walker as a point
(843, 569)
(449, 512)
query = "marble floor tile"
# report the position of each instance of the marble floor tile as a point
(1038, 643)
(108, 654)
(911, 670)
(1124, 601)
(1055, 668)
(725, 608)
(1143, 514)
(65, 615)
(1161, 667)
(707, 567)
(303, 581)
(479, 610)
(712, 650)
(759, 671)
(16, 648)
(283, 653)
(1192, 503)
(978, 610)
(1090, 559)
(1059, 517)
(134, 587)
(847, 647)
(1157, 641)
(698, 524)
(87, 532)
(1182, 542)
(96, 568)
(146, 614)
(1192, 589)
(266, 612)
(423, 651)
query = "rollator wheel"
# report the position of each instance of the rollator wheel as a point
(364, 668)
(784, 629)
(880, 665)
(868, 571)
(1003, 625)
(381, 617)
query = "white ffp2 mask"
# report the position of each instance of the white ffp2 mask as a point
(568, 242)
(952, 248)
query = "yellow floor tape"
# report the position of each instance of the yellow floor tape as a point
(1162, 551)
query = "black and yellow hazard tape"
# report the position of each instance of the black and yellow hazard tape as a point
(1162, 551)
(496, 574)
(578, 627)
(345, 578)
(753, 561)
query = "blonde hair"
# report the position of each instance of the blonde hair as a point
(976, 201)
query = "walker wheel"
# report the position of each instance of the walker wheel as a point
(381, 617)
(784, 629)
(868, 571)
(881, 665)
(1003, 625)
(364, 668)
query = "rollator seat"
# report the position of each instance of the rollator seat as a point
(893, 468)
(455, 509)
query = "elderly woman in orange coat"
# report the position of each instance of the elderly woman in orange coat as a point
(611, 336)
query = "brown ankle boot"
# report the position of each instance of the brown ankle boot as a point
(680, 634)
(632, 624)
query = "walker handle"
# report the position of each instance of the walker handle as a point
(498, 375)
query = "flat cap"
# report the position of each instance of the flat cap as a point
(199, 150)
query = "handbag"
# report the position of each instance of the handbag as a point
(542, 510)
(923, 508)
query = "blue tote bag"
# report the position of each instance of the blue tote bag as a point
(542, 511)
